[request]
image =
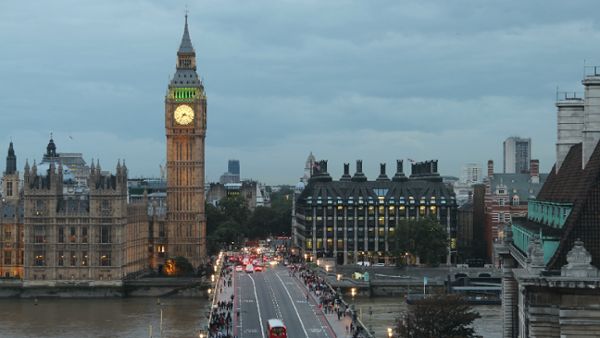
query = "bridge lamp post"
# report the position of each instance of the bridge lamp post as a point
(389, 331)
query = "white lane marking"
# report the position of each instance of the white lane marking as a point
(262, 329)
(293, 304)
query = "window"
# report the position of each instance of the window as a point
(72, 236)
(38, 258)
(61, 258)
(105, 258)
(105, 234)
(9, 188)
(84, 235)
(501, 202)
(84, 258)
(7, 235)
(61, 235)
(39, 234)
(7, 257)
(73, 258)
(501, 217)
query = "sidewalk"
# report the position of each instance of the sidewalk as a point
(340, 328)
(223, 320)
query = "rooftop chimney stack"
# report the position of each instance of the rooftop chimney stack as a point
(591, 120)
(359, 176)
(346, 176)
(570, 116)
(490, 171)
(534, 171)
(382, 175)
(399, 176)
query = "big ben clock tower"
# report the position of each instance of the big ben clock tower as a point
(185, 125)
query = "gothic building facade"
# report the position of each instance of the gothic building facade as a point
(50, 236)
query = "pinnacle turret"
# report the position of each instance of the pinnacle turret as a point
(11, 160)
(186, 42)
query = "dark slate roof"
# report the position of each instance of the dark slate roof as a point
(580, 187)
(569, 183)
(521, 183)
(394, 192)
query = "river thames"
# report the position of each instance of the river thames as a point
(182, 317)
(128, 318)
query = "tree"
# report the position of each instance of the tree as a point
(262, 222)
(424, 238)
(443, 316)
(214, 217)
(235, 208)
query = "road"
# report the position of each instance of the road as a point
(274, 294)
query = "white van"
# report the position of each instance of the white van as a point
(249, 268)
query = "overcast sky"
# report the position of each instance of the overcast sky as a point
(347, 80)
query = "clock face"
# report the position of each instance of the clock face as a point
(184, 114)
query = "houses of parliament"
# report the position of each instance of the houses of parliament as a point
(63, 220)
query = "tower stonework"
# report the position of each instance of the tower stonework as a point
(185, 126)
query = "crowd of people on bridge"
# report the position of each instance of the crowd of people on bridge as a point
(221, 321)
(328, 300)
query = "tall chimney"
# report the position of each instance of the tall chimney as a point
(359, 176)
(490, 172)
(534, 171)
(346, 176)
(570, 115)
(591, 120)
(382, 174)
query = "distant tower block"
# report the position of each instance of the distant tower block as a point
(570, 116)
(591, 129)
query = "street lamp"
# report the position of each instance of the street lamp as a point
(339, 276)
(353, 293)
(212, 278)
(326, 268)
(389, 330)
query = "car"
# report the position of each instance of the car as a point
(363, 263)
(258, 268)
(239, 268)
(379, 264)
(249, 268)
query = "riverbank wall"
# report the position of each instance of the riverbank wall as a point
(145, 287)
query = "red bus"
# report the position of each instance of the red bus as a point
(276, 329)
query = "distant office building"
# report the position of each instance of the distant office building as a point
(233, 166)
(471, 173)
(233, 173)
(517, 155)
(355, 219)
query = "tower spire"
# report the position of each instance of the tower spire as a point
(186, 43)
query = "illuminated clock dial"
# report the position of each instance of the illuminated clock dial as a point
(184, 114)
